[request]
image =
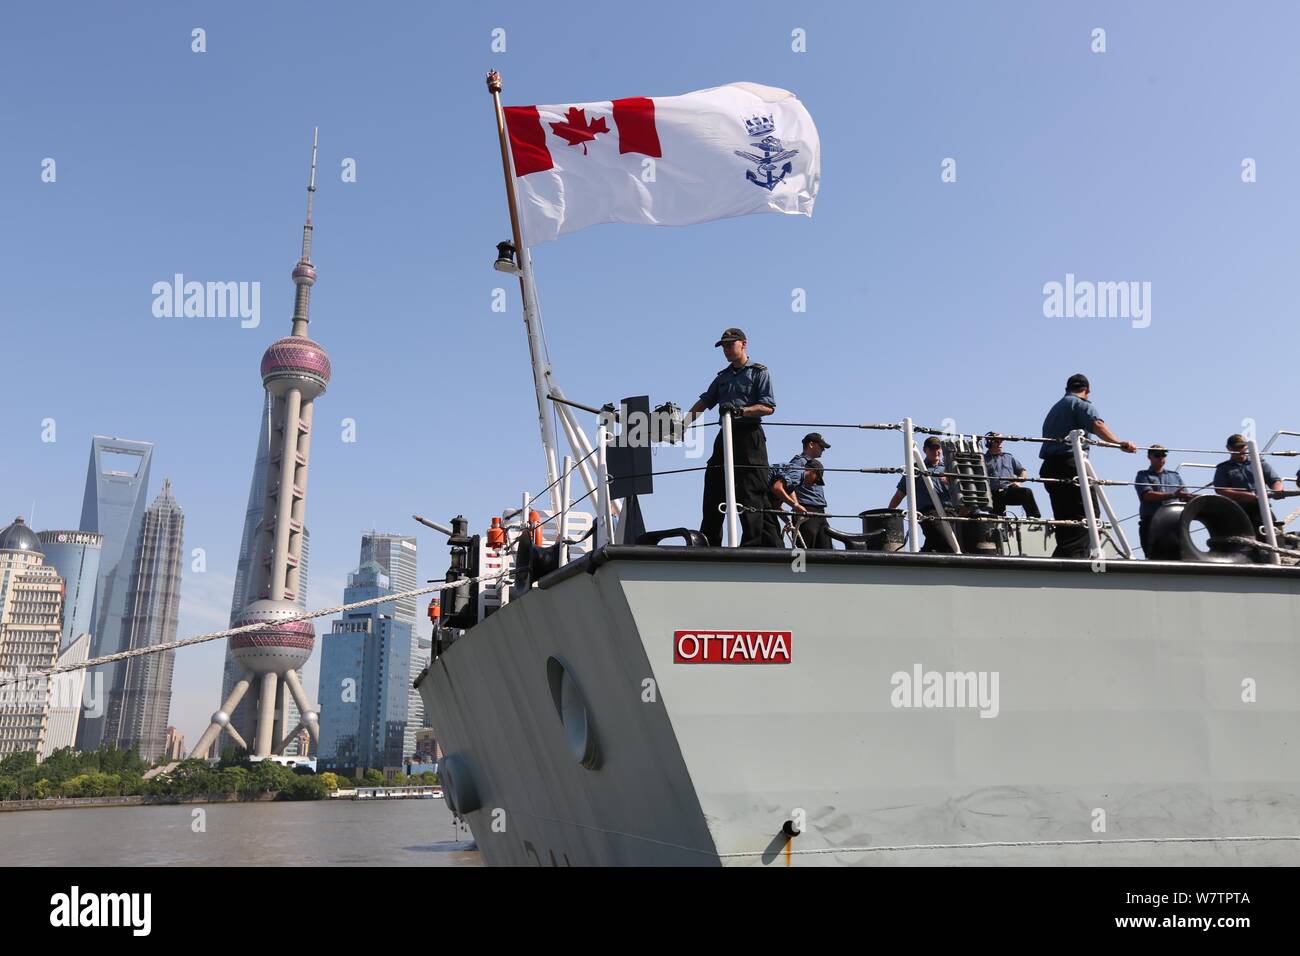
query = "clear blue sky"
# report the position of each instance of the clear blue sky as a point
(924, 298)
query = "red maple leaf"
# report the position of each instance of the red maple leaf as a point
(577, 130)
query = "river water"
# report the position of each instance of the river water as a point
(309, 833)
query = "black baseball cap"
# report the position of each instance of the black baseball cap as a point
(1076, 382)
(933, 442)
(1234, 440)
(816, 465)
(731, 335)
(817, 437)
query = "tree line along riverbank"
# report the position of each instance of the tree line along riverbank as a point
(112, 777)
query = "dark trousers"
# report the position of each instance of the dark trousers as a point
(750, 445)
(1067, 505)
(1144, 534)
(935, 540)
(813, 528)
(1016, 496)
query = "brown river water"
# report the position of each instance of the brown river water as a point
(310, 833)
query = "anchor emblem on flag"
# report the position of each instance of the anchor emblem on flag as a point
(774, 154)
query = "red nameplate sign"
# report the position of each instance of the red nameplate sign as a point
(731, 647)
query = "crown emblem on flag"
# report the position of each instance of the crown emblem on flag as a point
(758, 125)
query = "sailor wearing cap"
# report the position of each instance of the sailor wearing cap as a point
(1005, 474)
(1070, 412)
(1235, 479)
(1154, 486)
(799, 485)
(743, 390)
(791, 474)
(934, 537)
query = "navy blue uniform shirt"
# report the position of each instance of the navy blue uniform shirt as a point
(1002, 466)
(1241, 474)
(751, 384)
(1065, 416)
(792, 475)
(923, 494)
(1148, 480)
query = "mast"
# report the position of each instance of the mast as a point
(532, 321)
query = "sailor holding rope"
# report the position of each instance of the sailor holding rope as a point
(1072, 411)
(799, 485)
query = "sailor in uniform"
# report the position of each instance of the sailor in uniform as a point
(743, 390)
(790, 476)
(935, 539)
(1005, 476)
(1235, 479)
(1072, 411)
(1154, 486)
(800, 487)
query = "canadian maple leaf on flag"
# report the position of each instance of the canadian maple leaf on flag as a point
(576, 130)
(665, 160)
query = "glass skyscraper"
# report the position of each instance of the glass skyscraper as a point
(138, 711)
(396, 555)
(75, 555)
(365, 664)
(114, 504)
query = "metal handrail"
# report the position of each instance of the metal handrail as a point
(1089, 483)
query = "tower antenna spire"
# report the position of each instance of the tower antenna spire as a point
(311, 183)
(304, 273)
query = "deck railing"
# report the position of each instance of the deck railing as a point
(1100, 527)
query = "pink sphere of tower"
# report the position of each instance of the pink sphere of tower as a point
(284, 645)
(295, 361)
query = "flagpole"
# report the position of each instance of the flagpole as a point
(541, 371)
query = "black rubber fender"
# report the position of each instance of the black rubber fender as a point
(1170, 535)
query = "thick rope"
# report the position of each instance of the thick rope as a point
(1254, 543)
(6, 680)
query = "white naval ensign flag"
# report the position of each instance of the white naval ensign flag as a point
(665, 160)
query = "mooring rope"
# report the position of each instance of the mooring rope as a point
(6, 680)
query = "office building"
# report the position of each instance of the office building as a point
(113, 506)
(396, 555)
(139, 708)
(31, 614)
(365, 665)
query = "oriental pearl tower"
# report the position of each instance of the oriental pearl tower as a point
(295, 370)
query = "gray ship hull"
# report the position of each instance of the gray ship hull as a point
(934, 710)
